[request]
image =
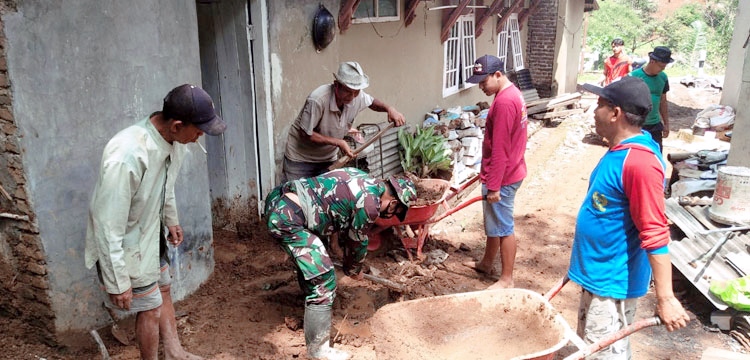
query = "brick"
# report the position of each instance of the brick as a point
(11, 147)
(4, 79)
(23, 207)
(31, 240)
(5, 100)
(20, 193)
(6, 114)
(36, 268)
(9, 128)
(40, 283)
(29, 252)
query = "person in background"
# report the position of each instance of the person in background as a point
(617, 65)
(299, 212)
(133, 214)
(621, 237)
(503, 165)
(657, 121)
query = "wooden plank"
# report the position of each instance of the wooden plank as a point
(494, 9)
(345, 14)
(557, 99)
(555, 114)
(452, 20)
(712, 353)
(546, 107)
(506, 14)
(411, 12)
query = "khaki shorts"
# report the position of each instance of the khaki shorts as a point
(144, 298)
(599, 317)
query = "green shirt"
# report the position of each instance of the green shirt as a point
(658, 85)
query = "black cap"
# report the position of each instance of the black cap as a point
(192, 104)
(484, 66)
(629, 93)
(661, 54)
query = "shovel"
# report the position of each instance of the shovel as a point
(345, 159)
(380, 281)
(119, 333)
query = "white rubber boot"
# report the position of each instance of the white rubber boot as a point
(317, 326)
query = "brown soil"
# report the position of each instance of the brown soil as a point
(252, 307)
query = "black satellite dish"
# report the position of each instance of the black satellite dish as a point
(324, 28)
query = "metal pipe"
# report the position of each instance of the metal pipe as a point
(455, 6)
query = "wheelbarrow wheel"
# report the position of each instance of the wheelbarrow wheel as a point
(381, 242)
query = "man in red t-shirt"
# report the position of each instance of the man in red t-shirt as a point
(503, 166)
(617, 65)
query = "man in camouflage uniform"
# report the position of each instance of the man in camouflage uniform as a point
(345, 201)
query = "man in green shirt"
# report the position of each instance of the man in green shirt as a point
(657, 121)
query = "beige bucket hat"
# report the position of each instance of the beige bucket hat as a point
(352, 76)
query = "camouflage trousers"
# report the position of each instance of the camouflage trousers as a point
(599, 317)
(315, 271)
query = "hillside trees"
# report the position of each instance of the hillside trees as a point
(690, 29)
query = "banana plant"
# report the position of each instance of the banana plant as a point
(424, 153)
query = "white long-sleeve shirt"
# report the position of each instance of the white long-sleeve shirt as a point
(134, 196)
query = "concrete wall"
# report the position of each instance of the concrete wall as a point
(81, 71)
(404, 63)
(736, 92)
(570, 32)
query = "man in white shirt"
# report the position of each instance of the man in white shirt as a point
(132, 206)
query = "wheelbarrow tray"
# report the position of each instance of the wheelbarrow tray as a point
(420, 214)
(491, 324)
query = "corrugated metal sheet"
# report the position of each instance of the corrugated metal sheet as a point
(383, 159)
(691, 220)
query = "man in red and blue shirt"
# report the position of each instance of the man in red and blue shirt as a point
(621, 230)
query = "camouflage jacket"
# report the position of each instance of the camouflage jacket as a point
(341, 201)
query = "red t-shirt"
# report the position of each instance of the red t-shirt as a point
(504, 142)
(616, 67)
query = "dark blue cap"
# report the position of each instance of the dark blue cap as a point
(192, 104)
(484, 66)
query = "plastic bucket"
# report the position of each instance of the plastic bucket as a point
(731, 202)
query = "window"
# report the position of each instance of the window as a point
(459, 54)
(377, 11)
(510, 33)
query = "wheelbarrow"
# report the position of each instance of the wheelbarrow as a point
(421, 217)
(502, 324)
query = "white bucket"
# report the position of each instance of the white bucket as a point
(731, 203)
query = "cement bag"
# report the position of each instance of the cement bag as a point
(718, 117)
(735, 292)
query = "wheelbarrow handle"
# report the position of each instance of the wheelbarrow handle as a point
(556, 288)
(609, 340)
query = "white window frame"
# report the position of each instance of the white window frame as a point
(459, 53)
(502, 45)
(377, 18)
(510, 34)
(515, 40)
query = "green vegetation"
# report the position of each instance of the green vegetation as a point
(424, 152)
(690, 31)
